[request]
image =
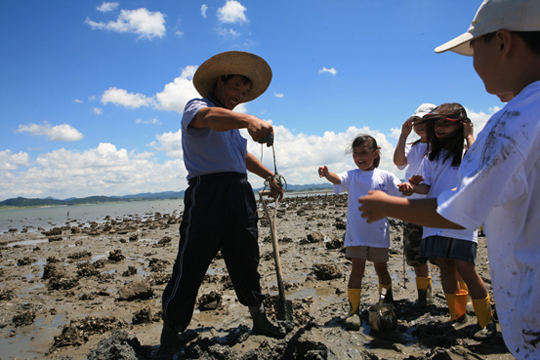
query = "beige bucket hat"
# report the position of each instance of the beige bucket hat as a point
(233, 63)
(493, 15)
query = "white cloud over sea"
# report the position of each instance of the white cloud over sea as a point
(108, 170)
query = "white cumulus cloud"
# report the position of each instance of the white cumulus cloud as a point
(146, 23)
(153, 121)
(107, 6)
(107, 170)
(330, 71)
(232, 12)
(170, 143)
(298, 156)
(204, 8)
(62, 132)
(123, 98)
(176, 94)
(228, 32)
(11, 161)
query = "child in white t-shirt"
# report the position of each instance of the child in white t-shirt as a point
(448, 127)
(410, 156)
(364, 241)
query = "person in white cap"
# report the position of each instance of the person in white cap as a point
(220, 212)
(500, 174)
(410, 156)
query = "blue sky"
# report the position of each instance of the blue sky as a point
(92, 92)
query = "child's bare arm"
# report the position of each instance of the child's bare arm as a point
(468, 133)
(421, 188)
(377, 205)
(330, 176)
(399, 154)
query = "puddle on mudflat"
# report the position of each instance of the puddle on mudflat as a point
(27, 242)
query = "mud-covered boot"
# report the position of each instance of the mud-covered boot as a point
(167, 342)
(425, 295)
(261, 324)
(486, 333)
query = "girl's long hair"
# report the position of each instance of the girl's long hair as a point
(454, 143)
(362, 138)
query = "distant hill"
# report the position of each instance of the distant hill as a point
(49, 201)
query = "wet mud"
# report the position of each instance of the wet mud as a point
(92, 290)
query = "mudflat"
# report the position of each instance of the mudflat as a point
(94, 291)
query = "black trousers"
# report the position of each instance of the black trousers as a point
(220, 213)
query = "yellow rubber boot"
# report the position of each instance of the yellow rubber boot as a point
(482, 308)
(463, 286)
(389, 298)
(354, 300)
(470, 306)
(425, 296)
(353, 321)
(457, 305)
(486, 328)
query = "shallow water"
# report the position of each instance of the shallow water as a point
(49, 217)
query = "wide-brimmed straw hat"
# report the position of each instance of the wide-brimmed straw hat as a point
(493, 15)
(233, 63)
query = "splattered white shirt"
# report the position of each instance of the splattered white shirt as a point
(500, 186)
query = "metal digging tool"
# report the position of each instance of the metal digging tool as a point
(284, 310)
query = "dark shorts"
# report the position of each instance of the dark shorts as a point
(449, 248)
(412, 240)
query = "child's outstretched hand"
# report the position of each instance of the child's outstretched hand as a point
(416, 179)
(406, 189)
(372, 205)
(323, 171)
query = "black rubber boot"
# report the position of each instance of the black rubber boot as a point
(167, 343)
(261, 326)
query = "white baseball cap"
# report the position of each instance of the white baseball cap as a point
(493, 15)
(424, 109)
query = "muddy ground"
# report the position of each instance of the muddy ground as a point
(92, 290)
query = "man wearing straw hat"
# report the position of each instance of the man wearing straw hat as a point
(220, 209)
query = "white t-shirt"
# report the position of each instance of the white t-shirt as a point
(357, 183)
(500, 187)
(414, 154)
(442, 176)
